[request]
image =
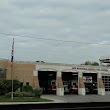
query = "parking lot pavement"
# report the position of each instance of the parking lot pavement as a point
(78, 98)
(53, 98)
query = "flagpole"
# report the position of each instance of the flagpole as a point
(12, 57)
(12, 81)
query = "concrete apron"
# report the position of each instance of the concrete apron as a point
(60, 91)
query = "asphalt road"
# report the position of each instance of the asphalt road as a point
(57, 106)
(78, 108)
(78, 98)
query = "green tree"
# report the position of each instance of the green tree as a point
(16, 85)
(92, 63)
(88, 63)
(95, 63)
(6, 86)
(2, 87)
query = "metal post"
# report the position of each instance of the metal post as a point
(12, 81)
(12, 57)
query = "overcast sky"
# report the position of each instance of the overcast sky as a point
(69, 20)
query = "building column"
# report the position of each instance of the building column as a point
(59, 86)
(81, 86)
(35, 79)
(101, 88)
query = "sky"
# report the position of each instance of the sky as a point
(35, 21)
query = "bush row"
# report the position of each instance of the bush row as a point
(26, 90)
(19, 94)
(37, 92)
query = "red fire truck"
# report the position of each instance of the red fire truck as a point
(73, 86)
(90, 85)
(52, 86)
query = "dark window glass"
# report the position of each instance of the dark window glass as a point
(106, 89)
(21, 86)
(105, 76)
(106, 80)
(27, 83)
(2, 73)
(106, 85)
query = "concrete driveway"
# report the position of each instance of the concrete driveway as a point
(77, 98)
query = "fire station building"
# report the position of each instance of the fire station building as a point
(38, 74)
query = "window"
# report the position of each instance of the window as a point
(2, 73)
(21, 86)
(106, 81)
(27, 83)
(106, 89)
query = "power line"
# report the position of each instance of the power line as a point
(8, 34)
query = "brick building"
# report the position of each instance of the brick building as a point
(29, 73)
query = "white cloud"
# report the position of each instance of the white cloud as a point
(72, 20)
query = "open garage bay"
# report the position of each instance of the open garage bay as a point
(71, 80)
(47, 81)
(90, 81)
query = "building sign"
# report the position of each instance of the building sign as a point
(87, 79)
(91, 69)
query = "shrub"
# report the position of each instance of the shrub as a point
(37, 92)
(15, 94)
(25, 94)
(2, 87)
(8, 95)
(19, 94)
(16, 85)
(6, 86)
(28, 88)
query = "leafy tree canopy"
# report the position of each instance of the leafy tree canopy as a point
(92, 63)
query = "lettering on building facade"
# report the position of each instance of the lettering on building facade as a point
(91, 69)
